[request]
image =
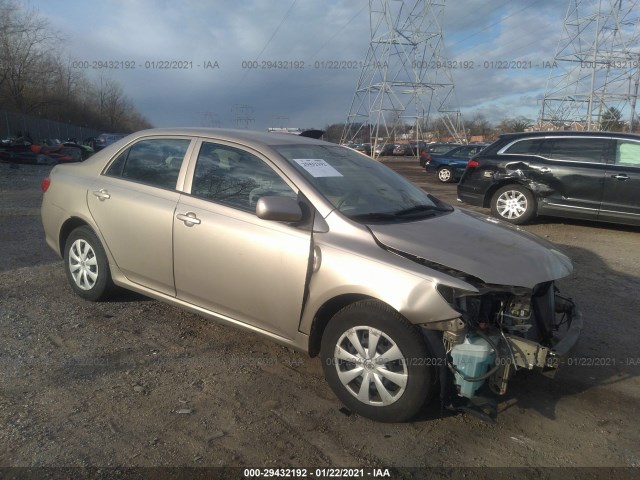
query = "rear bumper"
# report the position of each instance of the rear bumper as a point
(476, 199)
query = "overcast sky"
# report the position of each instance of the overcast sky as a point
(231, 32)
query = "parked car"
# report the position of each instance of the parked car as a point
(402, 149)
(437, 148)
(450, 166)
(584, 175)
(384, 150)
(440, 148)
(363, 148)
(418, 147)
(105, 139)
(319, 248)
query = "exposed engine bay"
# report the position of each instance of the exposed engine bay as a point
(500, 331)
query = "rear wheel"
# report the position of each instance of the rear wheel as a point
(445, 175)
(86, 265)
(376, 362)
(514, 204)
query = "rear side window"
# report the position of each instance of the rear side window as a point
(588, 150)
(525, 147)
(627, 153)
(464, 152)
(154, 162)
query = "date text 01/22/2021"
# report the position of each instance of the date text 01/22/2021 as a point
(145, 65)
(316, 472)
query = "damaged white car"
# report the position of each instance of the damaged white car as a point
(320, 248)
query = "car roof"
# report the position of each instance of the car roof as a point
(247, 137)
(572, 133)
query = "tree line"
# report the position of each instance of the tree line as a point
(36, 78)
(476, 126)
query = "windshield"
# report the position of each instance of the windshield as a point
(359, 187)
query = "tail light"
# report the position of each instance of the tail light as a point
(46, 181)
(472, 163)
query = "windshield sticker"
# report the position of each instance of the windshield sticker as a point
(317, 167)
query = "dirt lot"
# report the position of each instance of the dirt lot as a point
(134, 382)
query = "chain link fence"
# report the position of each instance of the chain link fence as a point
(39, 128)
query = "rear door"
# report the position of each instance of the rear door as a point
(571, 174)
(133, 203)
(229, 261)
(621, 199)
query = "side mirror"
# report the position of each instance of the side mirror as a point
(279, 209)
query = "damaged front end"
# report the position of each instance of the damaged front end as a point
(500, 330)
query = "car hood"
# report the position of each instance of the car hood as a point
(491, 250)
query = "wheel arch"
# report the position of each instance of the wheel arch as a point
(67, 227)
(326, 312)
(486, 202)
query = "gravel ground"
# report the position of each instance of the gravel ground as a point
(134, 382)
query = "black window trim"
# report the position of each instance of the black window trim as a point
(193, 161)
(552, 137)
(183, 168)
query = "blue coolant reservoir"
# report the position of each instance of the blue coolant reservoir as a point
(472, 358)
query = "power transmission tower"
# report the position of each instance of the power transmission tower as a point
(209, 119)
(404, 78)
(243, 115)
(595, 74)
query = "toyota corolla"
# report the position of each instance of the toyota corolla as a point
(322, 249)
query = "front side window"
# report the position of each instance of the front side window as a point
(235, 178)
(360, 188)
(154, 162)
(578, 149)
(627, 153)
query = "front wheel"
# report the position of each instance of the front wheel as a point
(86, 265)
(376, 362)
(514, 204)
(445, 175)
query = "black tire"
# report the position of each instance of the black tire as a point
(83, 252)
(446, 175)
(514, 204)
(408, 365)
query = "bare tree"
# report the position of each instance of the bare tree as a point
(479, 125)
(509, 125)
(27, 45)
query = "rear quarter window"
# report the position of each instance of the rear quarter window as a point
(627, 153)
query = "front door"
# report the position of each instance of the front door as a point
(228, 260)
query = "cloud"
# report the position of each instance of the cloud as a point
(235, 33)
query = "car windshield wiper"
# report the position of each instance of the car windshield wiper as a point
(420, 209)
(373, 216)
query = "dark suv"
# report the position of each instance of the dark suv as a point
(585, 175)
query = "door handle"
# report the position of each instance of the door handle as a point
(620, 176)
(545, 170)
(188, 218)
(102, 194)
